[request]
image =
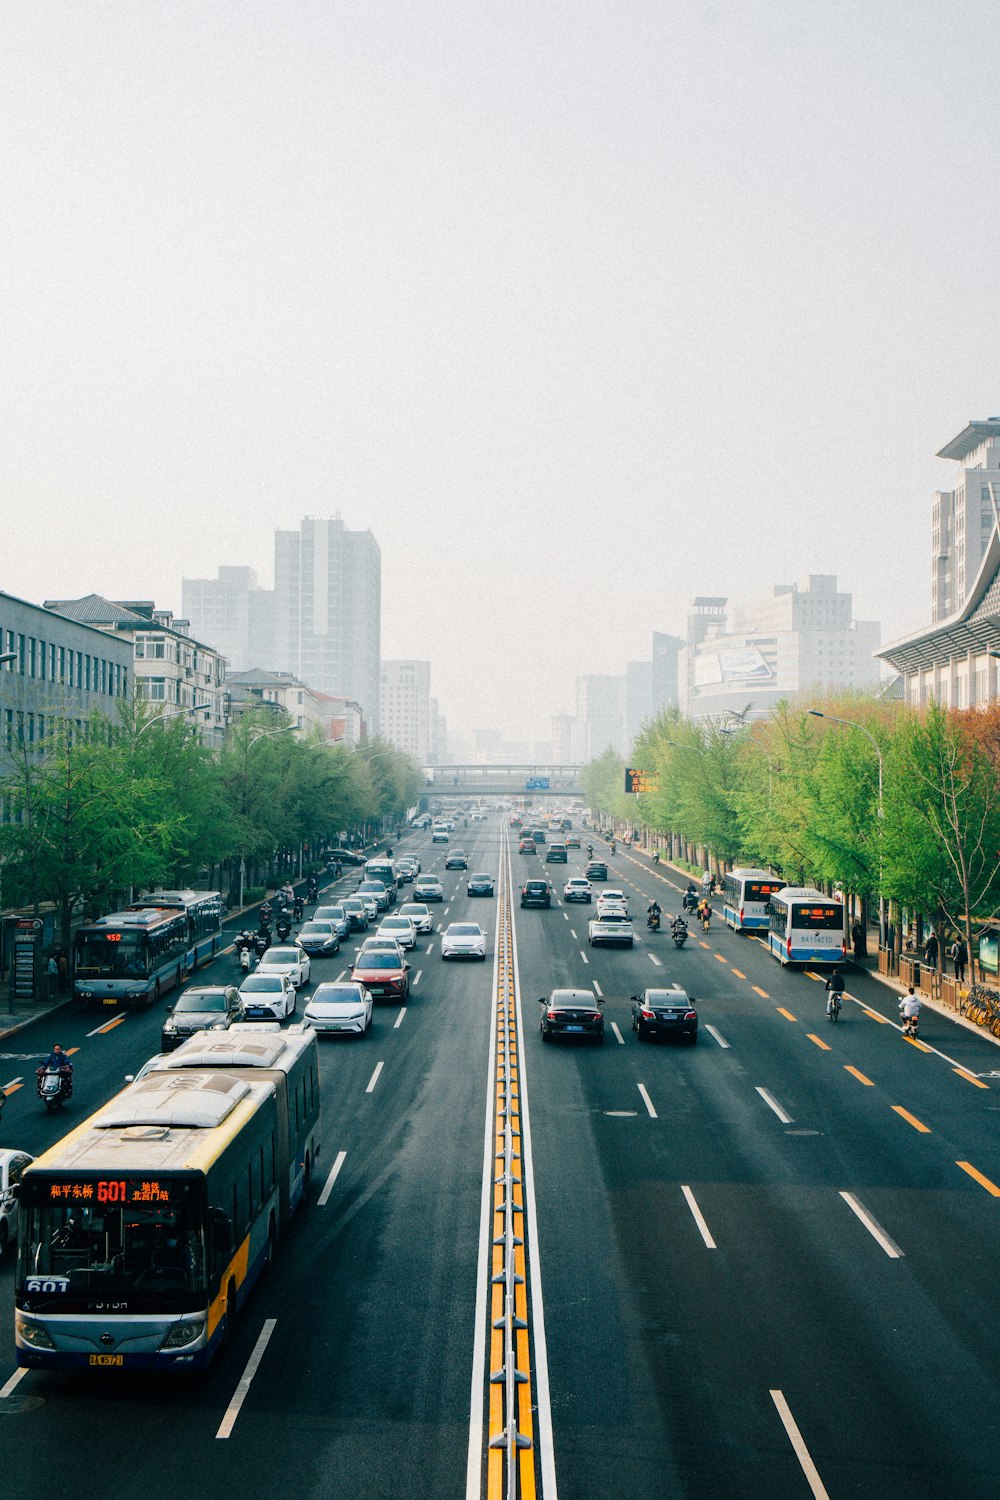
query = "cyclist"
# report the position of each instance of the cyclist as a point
(835, 992)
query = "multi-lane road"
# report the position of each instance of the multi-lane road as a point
(759, 1267)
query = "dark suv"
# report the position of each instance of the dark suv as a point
(536, 893)
(556, 854)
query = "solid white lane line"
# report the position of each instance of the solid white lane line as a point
(584, 957)
(374, 1078)
(718, 1035)
(809, 1469)
(11, 1386)
(653, 959)
(321, 1201)
(399, 1019)
(598, 990)
(253, 1363)
(648, 1102)
(614, 1028)
(699, 1218)
(772, 1103)
(106, 1026)
(873, 1227)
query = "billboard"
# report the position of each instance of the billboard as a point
(640, 781)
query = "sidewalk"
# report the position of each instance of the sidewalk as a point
(868, 965)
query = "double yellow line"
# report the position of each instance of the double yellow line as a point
(510, 1466)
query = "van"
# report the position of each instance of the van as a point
(385, 871)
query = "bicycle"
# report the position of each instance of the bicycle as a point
(834, 1004)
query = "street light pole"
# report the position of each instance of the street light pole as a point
(853, 724)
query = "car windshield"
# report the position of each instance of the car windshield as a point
(382, 960)
(261, 984)
(413, 911)
(482, 875)
(354, 906)
(328, 913)
(464, 929)
(335, 994)
(200, 1000)
(395, 924)
(280, 956)
(316, 929)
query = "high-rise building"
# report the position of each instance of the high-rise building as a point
(328, 610)
(235, 614)
(600, 715)
(798, 637)
(962, 519)
(406, 707)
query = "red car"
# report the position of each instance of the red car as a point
(386, 976)
(527, 846)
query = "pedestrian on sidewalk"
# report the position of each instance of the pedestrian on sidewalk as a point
(959, 955)
(931, 950)
(52, 968)
(62, 963)
(858, 939)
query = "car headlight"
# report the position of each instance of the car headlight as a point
(169, 1029)
(217, 1026)
(33, 1334)
(184, 1333)
(135, 994)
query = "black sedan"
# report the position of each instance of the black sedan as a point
(319, 939)
(665, 1013)
(480, 885)
(457, 860)
(572, 1013)
(596, 870)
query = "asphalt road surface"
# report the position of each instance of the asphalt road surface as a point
(764, 1262)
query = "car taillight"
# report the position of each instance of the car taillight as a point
(649, 1015)
(596, 1016)
(788, 945)
(741, 916)
(690, 1016)
(551, 1015)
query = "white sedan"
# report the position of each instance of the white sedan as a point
(419, 914)
(267, 997)
(463, 940)
(400, 929)
(289, 959)
(339, 1010)
(12, 1164)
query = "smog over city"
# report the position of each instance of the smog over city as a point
(584, 311)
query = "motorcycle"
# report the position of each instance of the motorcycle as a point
(298, 909)
(690, 900)
(909, 1027)
(265, 913)
(313, 889)
(283, 928)
(653, 921)
(679, 935)
(54, 1086)
(262, 941)
(613, 846)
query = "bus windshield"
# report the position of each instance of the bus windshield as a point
(818, 918)
(75, 1249)
(111, 955)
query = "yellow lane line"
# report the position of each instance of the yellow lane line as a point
(11, 1088)
(704, 944)
(873, 1015)
(857, 1073)
(721, 957)
(970, 1078)
(786, 1013)
(920, 1046)
(739, 973)
(985, 1182)
(71, 1050)
(818, 1040)
(758, 991)
(912, 1120)
(810, 975)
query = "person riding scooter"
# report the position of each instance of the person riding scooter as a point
(679, 931)
(653, 916)
(313, 888)
(691, 897)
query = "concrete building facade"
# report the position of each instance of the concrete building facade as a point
(963, 518)
(406, 707)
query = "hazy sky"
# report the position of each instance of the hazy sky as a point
(584, 308)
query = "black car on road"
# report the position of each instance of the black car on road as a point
(536, 893)
(665, 1013)
(480, 884)
(596, 870)
(572, 1013)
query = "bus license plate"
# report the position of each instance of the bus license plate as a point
(107, 1359)
(113, 1001)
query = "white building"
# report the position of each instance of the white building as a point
(800, 637)
(328, 610)
(309, 712)
(406, 707)
(172, 669)
(963, 517)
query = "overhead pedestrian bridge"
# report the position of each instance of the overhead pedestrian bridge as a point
(502, 781)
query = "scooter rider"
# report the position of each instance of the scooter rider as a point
(590, 851)
(57, 1059)
(653, 913)
(909, 1012)
(313, 888)
(834, 986)
(678, 924)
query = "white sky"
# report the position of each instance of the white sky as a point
(584, 308)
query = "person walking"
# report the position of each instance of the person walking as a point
(52, 969)
(931, 950)
(62, 964)
(959, 955)
(858, 939)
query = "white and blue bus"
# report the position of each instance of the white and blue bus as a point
(204, 911)
(130, 958)
(142, 1232)
(746, 894)
(805, 927)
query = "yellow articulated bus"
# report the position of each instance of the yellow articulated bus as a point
(143, 1230)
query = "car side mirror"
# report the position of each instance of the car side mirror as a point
(542, 1000)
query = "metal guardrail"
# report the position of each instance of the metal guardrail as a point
(510, 1466)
